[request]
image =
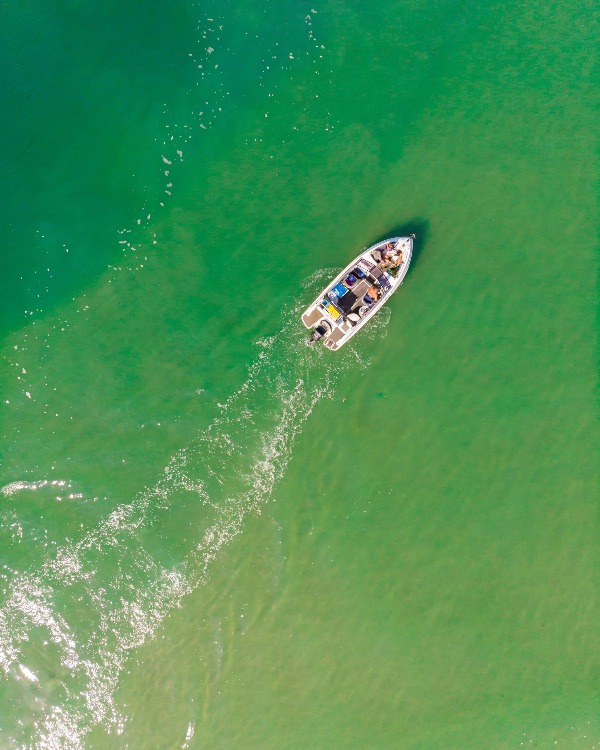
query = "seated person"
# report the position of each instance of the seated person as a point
(372, 296)
(388, 256)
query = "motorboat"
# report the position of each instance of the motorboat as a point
(358, 292)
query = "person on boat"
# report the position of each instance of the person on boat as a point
(371, 296)
(387, 256)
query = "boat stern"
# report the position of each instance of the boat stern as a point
(312, 316)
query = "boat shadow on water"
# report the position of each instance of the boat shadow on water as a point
(420, 228)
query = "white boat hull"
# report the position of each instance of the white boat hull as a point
(345, 305)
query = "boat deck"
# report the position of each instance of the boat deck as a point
(312, 317)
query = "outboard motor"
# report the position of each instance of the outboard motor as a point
(323, 329)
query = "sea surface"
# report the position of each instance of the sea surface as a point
(215, 538)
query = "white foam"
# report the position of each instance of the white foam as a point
(189, 735)
(27, 673)
(240, 457)
(14, 487)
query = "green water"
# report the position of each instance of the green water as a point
(212, 537)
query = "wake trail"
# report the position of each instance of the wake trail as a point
(124, 576)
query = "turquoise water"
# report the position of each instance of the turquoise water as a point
(214, 537)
